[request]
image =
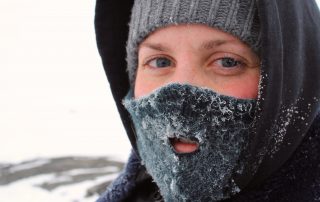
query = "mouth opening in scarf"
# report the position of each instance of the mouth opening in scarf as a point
(183, 145)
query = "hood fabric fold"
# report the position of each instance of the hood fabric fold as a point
(289, 94)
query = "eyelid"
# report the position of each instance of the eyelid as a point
(150, 58)
(219, 56)
(235, 56)
(224, 71)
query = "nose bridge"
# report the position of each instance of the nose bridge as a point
(187, 71)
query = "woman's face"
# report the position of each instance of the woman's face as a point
(200, 56)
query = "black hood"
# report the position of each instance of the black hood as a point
(289, 96)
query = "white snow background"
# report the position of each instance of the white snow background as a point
(54, 96)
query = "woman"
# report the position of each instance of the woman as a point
(220, 101)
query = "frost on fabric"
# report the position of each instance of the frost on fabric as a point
(294, 115)
(221, 124)
(279, 129)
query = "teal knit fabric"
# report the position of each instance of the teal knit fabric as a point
(219, 124)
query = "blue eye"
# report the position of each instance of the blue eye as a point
(228, 62)
(160, 62)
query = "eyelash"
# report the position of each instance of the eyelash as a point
(241, 63)
(147, 63)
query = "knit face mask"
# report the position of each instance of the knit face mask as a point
(218, 124)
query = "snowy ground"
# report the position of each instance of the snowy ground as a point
(26, 190)
(66, 179)
(54, 100)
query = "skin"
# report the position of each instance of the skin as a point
(198, 55)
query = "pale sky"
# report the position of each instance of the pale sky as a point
(54, 99)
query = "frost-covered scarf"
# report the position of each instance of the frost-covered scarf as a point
(219, 124)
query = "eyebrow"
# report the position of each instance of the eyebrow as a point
(155, 46)
(207, 45)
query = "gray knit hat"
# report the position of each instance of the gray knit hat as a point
(237, 17)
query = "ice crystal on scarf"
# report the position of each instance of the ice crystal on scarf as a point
(220, 124)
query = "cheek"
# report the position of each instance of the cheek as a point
(144, 85)
(245, 88)
(249, 90)
(141, 90)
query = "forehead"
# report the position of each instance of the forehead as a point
(196, 36)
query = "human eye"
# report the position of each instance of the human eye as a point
(159, 62)
(229, 62)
